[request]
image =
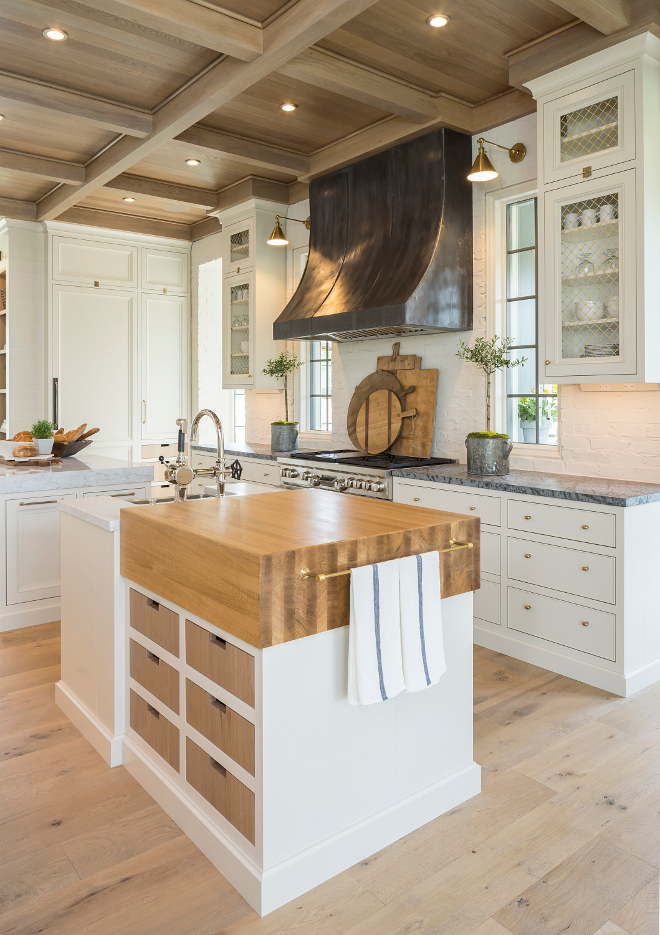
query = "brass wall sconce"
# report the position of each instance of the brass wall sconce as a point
(483, 169)
(278, 237)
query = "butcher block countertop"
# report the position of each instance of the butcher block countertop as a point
(236, 561)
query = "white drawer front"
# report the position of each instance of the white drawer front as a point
(490, 553)
(263, 472)
(487, 508)
(487, 601)
(590, 631)
(569, 570)
(126, 493)
(563, 522)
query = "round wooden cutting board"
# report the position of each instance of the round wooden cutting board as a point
(378, 423)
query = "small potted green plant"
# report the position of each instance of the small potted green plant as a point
(527, 416)
(42, 432)
(283, 434)
(488, 452)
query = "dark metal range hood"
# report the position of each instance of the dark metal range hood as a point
(390, 249)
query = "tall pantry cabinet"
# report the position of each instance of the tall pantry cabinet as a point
(599, 216)
(119, 338)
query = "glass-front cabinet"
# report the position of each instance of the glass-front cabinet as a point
(590, 296)
(239, 331)
(239, 246)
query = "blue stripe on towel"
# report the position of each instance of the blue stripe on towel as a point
(383, 693)
(421, 617)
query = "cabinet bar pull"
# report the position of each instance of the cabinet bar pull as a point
(585, 623)
(585, 527)
(217, 767)
(131, 494)
(220, 705)
(144, 411)
(585, 568)
(36, 502)
(218, 640)
(453, 547)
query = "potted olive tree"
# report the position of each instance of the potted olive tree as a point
(488, 452)
(283, 434)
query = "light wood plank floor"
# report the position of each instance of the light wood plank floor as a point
(564, 838)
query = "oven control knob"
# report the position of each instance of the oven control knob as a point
(306, 475)
(340, 483)
(314, 480)
(377, 487)
(289, 472)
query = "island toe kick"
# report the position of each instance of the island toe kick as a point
(260, 760)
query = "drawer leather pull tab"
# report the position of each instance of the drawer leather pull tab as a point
(585, 527)
(585, 623)
(585, 568)
(528, 517)
(218, 640)
(152, 657)
(220, 705)
(528, 554)
(528, 606)
(154, 604)
(217, 767)
(153, 711)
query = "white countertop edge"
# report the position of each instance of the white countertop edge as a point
(99, 511)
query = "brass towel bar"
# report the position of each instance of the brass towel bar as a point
(453, 547)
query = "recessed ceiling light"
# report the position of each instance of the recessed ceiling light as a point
(57, 35)
(437, 21)
(288, 107)
(192, 162)
(129, 199)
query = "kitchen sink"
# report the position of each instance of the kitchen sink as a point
(194, 496)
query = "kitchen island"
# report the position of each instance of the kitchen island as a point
(239, 721)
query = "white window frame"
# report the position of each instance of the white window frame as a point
(496, 204)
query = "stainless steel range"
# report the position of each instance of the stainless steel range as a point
(349, 471)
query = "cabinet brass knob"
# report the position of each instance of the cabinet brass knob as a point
(265, 473)
(473, 507)
(585, 568)
(585, 527)
(548, 361)
(528, 517)
(415, 499)
(528, 606)
(585, 623)
(528, 554)
(96, 283)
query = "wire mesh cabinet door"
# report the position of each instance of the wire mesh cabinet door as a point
(238, 336)
(239, 247)
(589, 290)
(589, 129)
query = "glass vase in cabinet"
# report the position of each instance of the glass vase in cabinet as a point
(589, 272)
(239, 332)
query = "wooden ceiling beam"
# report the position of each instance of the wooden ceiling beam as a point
(103, 114)
(334, 73)
(252, 187)
(300, 26)
(211, 29)
(44, 168)
(115, 220)
(249, 151)
(18, 210)
(168, 191)
(607, 16)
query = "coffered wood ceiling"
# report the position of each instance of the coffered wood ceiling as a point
(139, 86)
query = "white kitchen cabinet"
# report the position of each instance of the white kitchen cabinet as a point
(94, 344)
(599, 216)
(97, 263)
(253, 294)
(33, 548)
(164, 271)
(163, 364)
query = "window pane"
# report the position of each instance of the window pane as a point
(521, 322)
(521, 274)
(521, 417)
(522, 379)
(521, 225)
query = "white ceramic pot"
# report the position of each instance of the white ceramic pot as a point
(45, 445)
(606, 214)
(570, 222)
(588, 311)
(588, 217)
(529, 432)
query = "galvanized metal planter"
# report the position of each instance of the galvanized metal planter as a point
(284, 437)
(488, 455)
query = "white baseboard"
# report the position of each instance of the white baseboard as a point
(591, 674)
(268, 890)
(29, 616)
(109, 746)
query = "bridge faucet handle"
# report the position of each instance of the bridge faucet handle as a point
(183, 425)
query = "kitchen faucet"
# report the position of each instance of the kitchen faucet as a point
(180, 474)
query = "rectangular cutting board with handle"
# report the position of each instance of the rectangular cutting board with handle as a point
(416, 439)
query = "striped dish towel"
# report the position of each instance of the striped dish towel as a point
(375, 667)
(421, 620)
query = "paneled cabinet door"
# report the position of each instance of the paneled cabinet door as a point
(238, 344)
(164, 271)
(591, 127)
(33, 548)
(239, 246)
(589, 287)
(94, 359)
(94, 263)
(164, 356)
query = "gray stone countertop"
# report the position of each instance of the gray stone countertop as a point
(84, 471)
(253, 450)
(603, 490)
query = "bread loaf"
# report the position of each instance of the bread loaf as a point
(75, 434)
(22, 437)
(26, 450)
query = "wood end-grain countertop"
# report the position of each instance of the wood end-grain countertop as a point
(236, 561)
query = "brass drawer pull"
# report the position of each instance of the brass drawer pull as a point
(528, 554)
(131, 494)
(36, 502)
(220, 705)
(585, 623)
(416, 499)
(473, 507)
(585, 527)
(585, 568)
(217, 767)
(528, 517)
(528, 606)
